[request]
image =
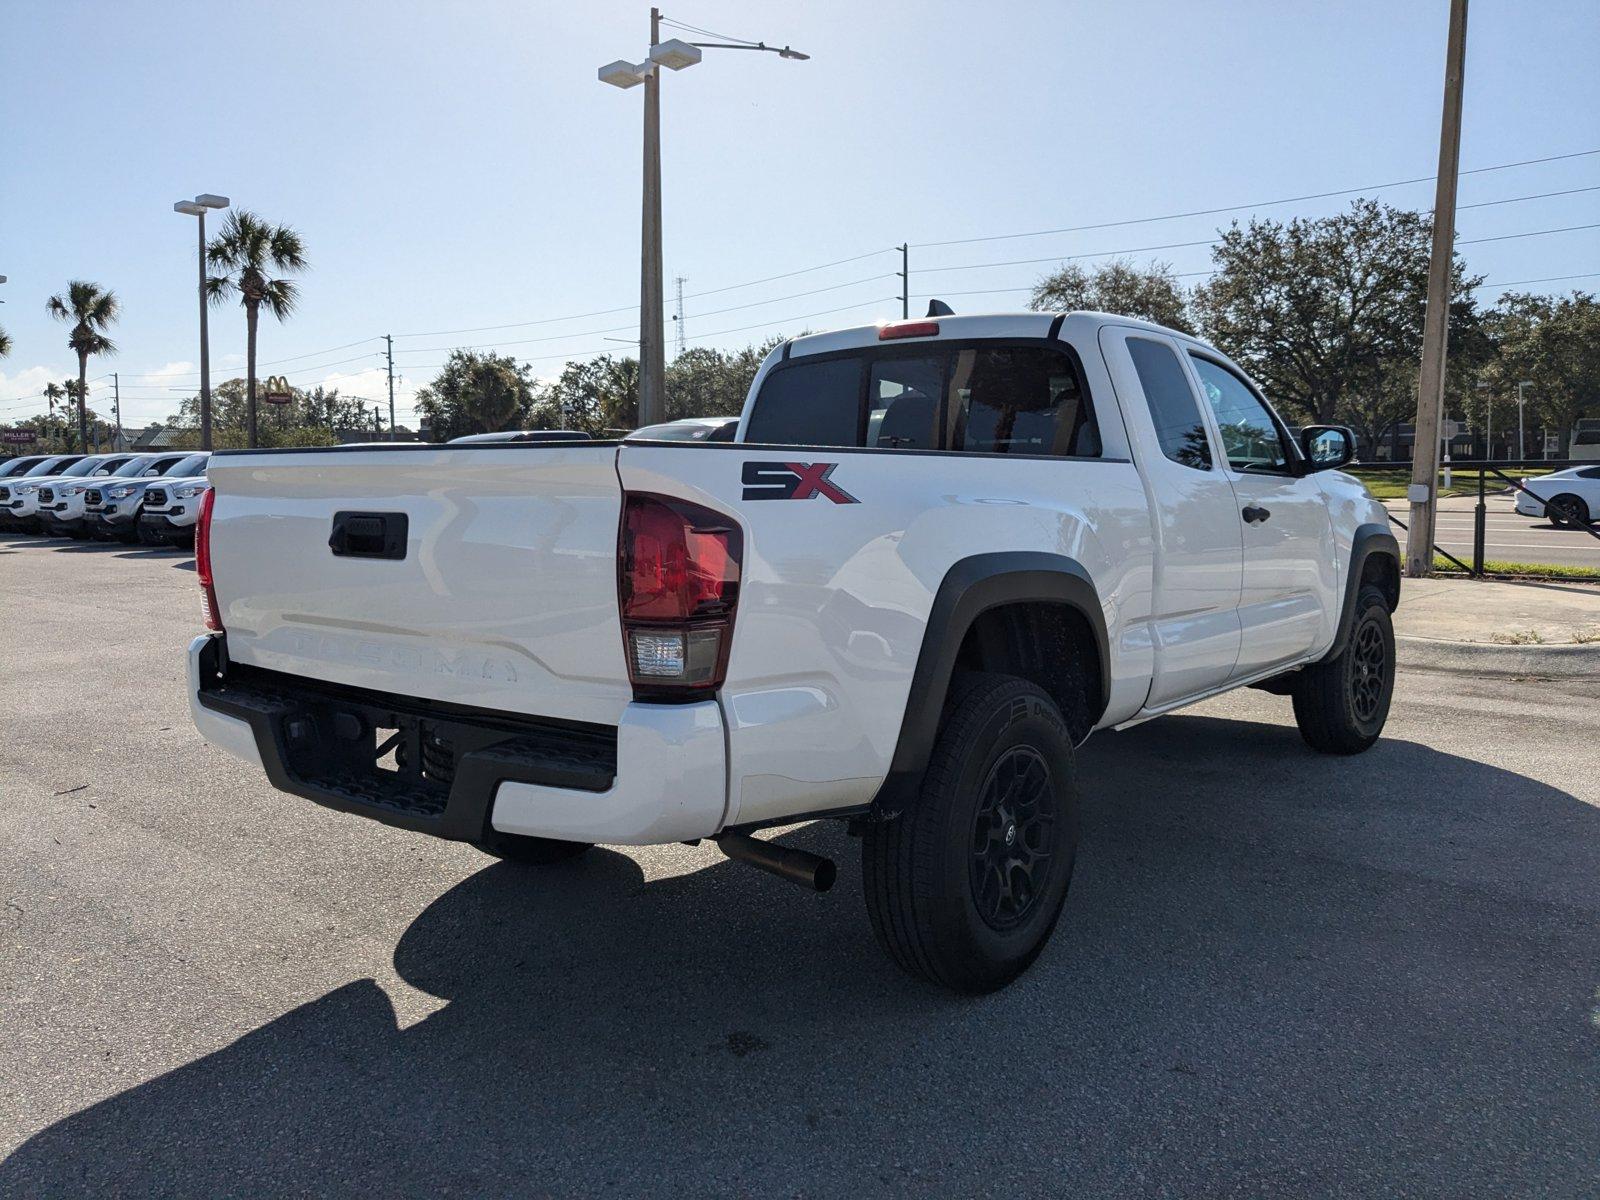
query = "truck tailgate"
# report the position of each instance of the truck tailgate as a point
(481, 575)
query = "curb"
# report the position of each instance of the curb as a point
(1493, 659)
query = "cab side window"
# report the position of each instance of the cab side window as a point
(1251, 437)
(1173, 408)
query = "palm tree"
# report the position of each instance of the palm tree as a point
(91, 309)
(5, 343)
(243, 254)
(54, 394)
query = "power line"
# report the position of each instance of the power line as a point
(1211, 212)
(632, 328)
(1546, 279)
(1023, 262)
(606, 312)
(1506, 237)
(1535, 196)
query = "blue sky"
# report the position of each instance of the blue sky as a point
(458, 165)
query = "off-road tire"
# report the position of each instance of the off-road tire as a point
(1567, 511)
(1341, 703)
(946, 902)
(530, 851)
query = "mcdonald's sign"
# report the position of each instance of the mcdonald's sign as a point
(276, 390)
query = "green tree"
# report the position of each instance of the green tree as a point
(1324, 313)
(1151, 293)
(1553, 342)
(601, 395)
(598, 395)
(310, 418)
(54, 395)
(245, 254)
(477, 393)
(713, 383)
(92, 310)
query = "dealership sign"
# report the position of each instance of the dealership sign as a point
(276, 390)
(21, 436)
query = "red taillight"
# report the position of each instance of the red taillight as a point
(202, 559)
(678, 586)
(908, 329)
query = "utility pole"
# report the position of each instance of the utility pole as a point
(652, 354)
(905, 279)
(678, 316)
(389, 340)
(1423, 492)
(116, 407)
(377, 422)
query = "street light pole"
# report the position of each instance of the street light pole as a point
(1522, 401)
(652, 353)
(674, 55)
(198, 208)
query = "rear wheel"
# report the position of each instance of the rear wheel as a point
(530, 851)
(1568, 511)
(965, 887)
(1341, 703)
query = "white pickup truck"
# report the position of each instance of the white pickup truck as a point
(938, 555)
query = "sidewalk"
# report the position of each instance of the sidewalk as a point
(1495, 627)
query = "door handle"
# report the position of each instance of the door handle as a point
(1254, 513)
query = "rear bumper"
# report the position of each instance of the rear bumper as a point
(1528, 506)
(660, 776)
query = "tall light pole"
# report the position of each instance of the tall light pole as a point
(198, 208)
(1522, 402)
(675, 55)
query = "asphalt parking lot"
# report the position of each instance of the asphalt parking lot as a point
(1276, 973)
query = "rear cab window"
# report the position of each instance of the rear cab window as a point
(974, 397)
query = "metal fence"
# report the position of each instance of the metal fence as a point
(1485, 468)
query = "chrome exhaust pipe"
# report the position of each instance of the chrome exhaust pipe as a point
(797, 866)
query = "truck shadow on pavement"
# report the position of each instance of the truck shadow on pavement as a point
(1276, 972)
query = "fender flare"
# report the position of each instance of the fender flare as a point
(971, 587)
(1368, 540)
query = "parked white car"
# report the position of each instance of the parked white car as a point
(60, 499)
(19, 495)
(937, 557)
(1573, 496)
(172, 506)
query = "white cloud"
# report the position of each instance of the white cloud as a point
(22, 391)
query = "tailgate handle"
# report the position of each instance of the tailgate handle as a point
(368, 535)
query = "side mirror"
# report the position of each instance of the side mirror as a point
(1327, 447)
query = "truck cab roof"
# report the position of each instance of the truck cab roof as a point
(973, 326)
